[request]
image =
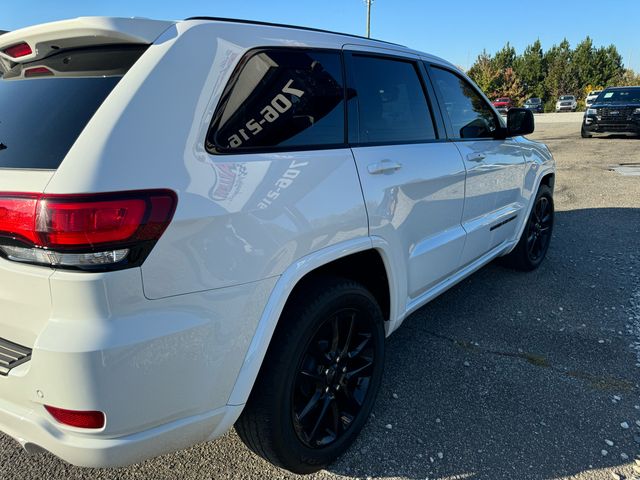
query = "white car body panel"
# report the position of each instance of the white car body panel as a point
(493, 194)
(170, 350)
(398, 204)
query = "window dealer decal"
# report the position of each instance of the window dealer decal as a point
(270, 113)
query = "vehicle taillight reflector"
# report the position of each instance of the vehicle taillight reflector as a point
(19, 50)
(37, 72)
(78, 419)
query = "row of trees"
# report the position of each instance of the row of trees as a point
(560, 70)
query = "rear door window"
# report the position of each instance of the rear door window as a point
(391, 102)
(45, 104)
(281, 99)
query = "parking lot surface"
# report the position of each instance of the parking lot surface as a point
(508, 375)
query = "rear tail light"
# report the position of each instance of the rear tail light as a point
(78, 419)
(19, 50)
(84, 231)
(37, 72)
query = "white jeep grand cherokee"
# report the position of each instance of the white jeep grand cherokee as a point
(215, 222)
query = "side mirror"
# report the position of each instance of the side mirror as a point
(520, 122)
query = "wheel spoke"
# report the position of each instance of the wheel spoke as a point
(313, 376)
(356, 351)
(543, 203)
(323, 413)
(335, 412)
(347, 342)
(335, 338)
(532, 246)
(313, 402)
(350, 374)
(536, 212)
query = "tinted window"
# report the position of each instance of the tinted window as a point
(45, 106)
(470, 115)
(626, 95)
(282, 98)
(392, 106)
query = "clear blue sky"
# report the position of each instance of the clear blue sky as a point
(454, 29)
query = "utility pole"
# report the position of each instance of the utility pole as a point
(368, 2)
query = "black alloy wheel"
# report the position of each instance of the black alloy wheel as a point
(333, 378)
(536, 237)
(320, 377)
(539, 229)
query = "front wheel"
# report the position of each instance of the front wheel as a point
(536, 237)
(319, 379)
(584, 133)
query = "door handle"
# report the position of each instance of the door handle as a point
(384, 166)
(476, 157)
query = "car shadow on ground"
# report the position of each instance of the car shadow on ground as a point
(514, 375)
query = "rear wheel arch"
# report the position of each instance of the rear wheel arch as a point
(366, 267)
(549, 180)
(363, 263)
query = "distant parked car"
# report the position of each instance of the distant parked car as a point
(616, 110)
(503, 104)
(566, 103)
(535, 104)
(591, 97)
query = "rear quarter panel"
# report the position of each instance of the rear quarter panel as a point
(150, 133)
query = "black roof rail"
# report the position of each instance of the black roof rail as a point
(297, 27)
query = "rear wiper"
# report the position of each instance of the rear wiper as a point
(3, 147)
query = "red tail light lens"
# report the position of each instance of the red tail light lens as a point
(17, 216)
(19, 50)
(90, 230)
(67, 224)
(78, 419)
(37, 72)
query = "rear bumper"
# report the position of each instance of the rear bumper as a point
(161, 371)
(36, 434)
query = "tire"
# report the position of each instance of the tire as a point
(536, 237)
(306, 373)
(584, 133)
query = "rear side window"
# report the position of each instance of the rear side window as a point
(282, 99)
(392, 107)
(45, 105)
(470, 115)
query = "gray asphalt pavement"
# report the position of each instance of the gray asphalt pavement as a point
(506, 376)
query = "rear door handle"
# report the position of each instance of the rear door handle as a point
(384, 166)
(476, 157)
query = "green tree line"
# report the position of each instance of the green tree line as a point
(561, 70)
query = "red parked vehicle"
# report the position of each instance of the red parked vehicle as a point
(503, 104)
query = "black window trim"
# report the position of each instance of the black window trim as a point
(437, 122)
(224, 98)
(447, 121)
